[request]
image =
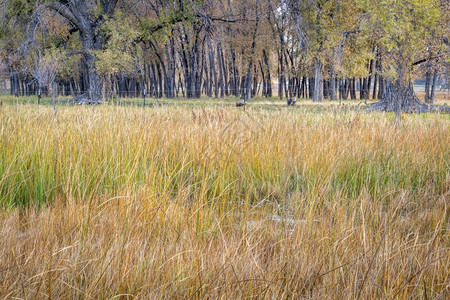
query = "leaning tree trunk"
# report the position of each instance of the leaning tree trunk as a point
(403, 99)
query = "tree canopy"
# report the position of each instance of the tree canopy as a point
(317, 49)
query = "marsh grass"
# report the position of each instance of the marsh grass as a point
(215, 202)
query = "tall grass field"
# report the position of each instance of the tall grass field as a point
(217, 202)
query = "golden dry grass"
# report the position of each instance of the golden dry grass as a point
(441, 97)
(219, 203)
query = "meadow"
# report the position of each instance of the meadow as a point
(201, 200)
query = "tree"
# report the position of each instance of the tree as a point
(404, 27)
(46, 67)
(317, 48)
(12, 31)
(87, 19)
(79, 14)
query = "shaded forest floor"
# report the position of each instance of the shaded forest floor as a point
(203, 199)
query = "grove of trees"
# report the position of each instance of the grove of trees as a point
(318, 49)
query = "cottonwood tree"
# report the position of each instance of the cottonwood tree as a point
(45, 68)
(404, 28)
(438, 46)
(86, 18)
(317, 32)
(121, 55)
(315, 28)
(223, 47)
(13, 23)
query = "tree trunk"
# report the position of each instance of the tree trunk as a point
(250, 64)
(12, 84)
(380, 77)
(326, 89)
(333, 95)
(380, 87)
(427, 86)
(219, 61)
(303, 87)
(225, 74)
(353, 88)
(401, 98)
(95, 81)
(170, 76)
(362, 85)
(199, 69)
(375, 82)
(318, 83)
(268, 79)
(370, 79)
(311, 85)
(255, 81)
(213, 73)
(428, 77)
(433, 86)
(281, 75)
(264, 93)
(160, 81)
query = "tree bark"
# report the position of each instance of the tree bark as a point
(281, 75)
(380, 87)
(250, 64)
(268, 78)
(333, 95)
(427, 86)
(370, 79)
(95, 82)
(401, 98)
(264, 87)
(219, 60)
(311, 85)
(433, 86)
(318, 83)
(353, 88)
(213, 73)
(225, 74)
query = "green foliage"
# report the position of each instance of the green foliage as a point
(356, 53)
(161, 28)
(402, 27)
(46, 64)
(326, 24)
(312, 31)
(22, 9)
(122, 52)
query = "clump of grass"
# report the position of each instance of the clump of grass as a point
(216, 202)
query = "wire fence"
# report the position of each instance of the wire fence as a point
(177, 91)
(241, 93)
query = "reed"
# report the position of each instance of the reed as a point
(216, 202)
